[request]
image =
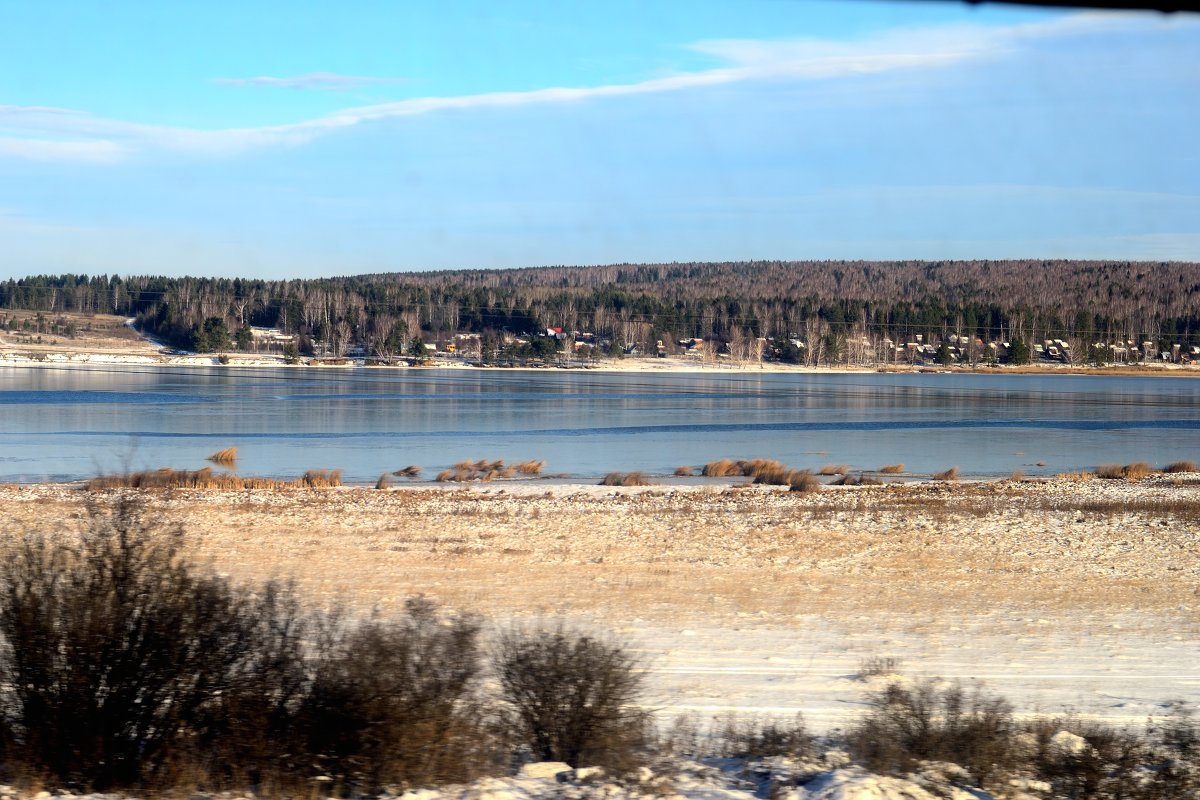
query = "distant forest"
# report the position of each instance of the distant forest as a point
(829, 305)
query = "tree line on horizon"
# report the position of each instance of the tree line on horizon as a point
(827, 304)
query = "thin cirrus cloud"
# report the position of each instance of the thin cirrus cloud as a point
(320, 81)
(44, 133)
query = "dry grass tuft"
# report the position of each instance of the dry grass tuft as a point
(625, 479)
(1129, 472)
(484, 470)
(1017, 476)
(891, 469)
(225, 458)
(411, 471)
(846, 480)
(1075, 476)
(1180, 466)
(802, 480)
(724, 468)
(949, 475)
(168, 478)
(834, 469)
(868, 480)
(384, 482)
(683, 472)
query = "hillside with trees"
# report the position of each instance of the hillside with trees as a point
(832, 309)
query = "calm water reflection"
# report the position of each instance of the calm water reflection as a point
(72, 422)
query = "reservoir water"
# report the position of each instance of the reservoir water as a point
(73, 422)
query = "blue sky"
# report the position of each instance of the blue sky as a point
(274, 139)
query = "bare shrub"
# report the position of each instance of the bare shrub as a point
(570, 696)
(1106, 763)
(735, 737)
(322, 479)
(530, 468)
(1016, 476)
(834, 469)
(384, 482)
(924, 722)
(486, 471)
(869, 480)
(949, 475)
(394, 703)
(113, 646)
(625, 479)
(225, 458)
(683, 472)
(1180, 466)
(877, 666)
(411, 471)
(892, 469)
(846, 480)
(724, 468)
(1110, 471)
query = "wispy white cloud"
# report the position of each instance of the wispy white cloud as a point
(97, 151)
(321, 81)
(104, 140)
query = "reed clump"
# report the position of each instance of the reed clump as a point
(949, 475)
(205, 478)
(411, 471)
(1130, 472)
(683, 472)
(802, 480)
(384, 482)
(625, 479)
(484, 470)
(834, 469)
(891, 469)
(724, 468)
(224, 458)
(1180, 466)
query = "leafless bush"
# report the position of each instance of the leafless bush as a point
(570, 696)
(112, 646)
(322, 479)
(949, 475)
(869, 480)
(411, 471)
(834, 469)
(1131, 472)
(735, 737)
(925, 722)
(1137, 471)
(877, 666)
(625, 479)
(1016, 476)
(846, 480)
(484, 470)
(531, 468)
(1180, 466)
(394, 702)
(384, 482)
(683, 472)
(892, 469)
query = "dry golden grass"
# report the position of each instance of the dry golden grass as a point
(1017, 476)
(625, 479)
(891, 469)
(724, 468)
(484, 470)
(225, 458)
(411, 471)
(384, 482)
(167, 478)
(949, 475)
(1129, 472)
(1180, 466)
(1075, 476)
(921, 549)
(683, 472)
(834, 469)
(803, 480)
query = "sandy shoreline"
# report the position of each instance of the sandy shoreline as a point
(146, 354)
(1061, 593)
